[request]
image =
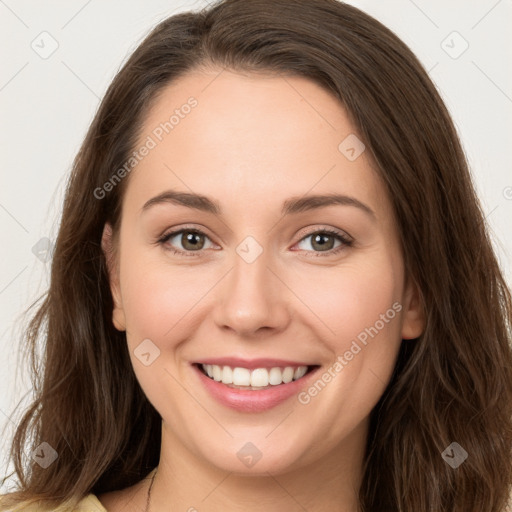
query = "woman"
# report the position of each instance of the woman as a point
(273, 288)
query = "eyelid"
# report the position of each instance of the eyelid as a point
(324, 229)
(192, 228)
(168, 234)
(345, 239)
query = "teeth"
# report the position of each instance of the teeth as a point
(275, 376)
(241, 377)
(288, 374)
(227, 375)
(258, 378)
(300, 372)
(217, 373)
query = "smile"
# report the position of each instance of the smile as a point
(259, 378)
(253, 386)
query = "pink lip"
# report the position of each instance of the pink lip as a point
(255, 400)
(252, 364)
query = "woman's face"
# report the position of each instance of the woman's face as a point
(255, 235)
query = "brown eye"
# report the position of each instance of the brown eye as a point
(191, 240)
(324, 241)
(185, 241)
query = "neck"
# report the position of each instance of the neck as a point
(191, 484)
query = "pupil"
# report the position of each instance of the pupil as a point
(190, 239)
(318, 239)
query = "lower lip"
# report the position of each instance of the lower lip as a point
(256, 400)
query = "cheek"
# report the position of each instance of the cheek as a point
(349, 299)
(159, 302)
(157, 298)
(359, 307)
(160, 299)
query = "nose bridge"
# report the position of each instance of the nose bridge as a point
(252, 296)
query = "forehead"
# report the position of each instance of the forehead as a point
(259, 137)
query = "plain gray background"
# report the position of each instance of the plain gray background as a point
(58, 58)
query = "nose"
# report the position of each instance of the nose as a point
(252, 299)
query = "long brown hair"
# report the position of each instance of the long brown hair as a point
(452, 384)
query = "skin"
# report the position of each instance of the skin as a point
(252, 142)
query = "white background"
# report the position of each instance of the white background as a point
(47, 104)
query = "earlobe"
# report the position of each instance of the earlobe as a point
(118, 317)
(413, 320)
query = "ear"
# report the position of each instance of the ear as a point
(413, 317)
(118, 316)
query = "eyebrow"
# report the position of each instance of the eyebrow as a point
(290, 206)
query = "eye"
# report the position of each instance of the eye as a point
(194, 241)
(323, 241)
(191, 240)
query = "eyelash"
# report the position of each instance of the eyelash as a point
(345, 242)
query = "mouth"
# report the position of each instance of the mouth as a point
(256, 379)
(253, 385)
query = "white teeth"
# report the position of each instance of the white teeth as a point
(227, 375)
(275, 376)
(288, 374)
(257, 378)
(241, 377)
(217, 373)
(300, 372)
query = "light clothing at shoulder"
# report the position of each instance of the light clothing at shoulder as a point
(89, 503)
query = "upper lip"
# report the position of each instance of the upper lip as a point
(251, 364)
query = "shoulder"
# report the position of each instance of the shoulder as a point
(129, 499)
(89, 503)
